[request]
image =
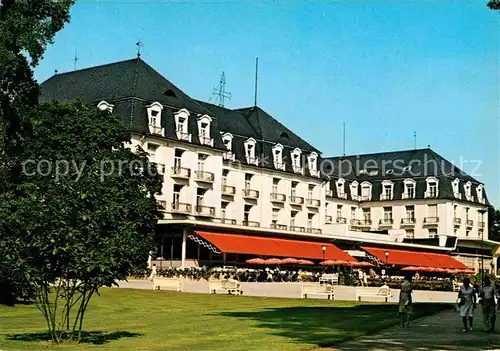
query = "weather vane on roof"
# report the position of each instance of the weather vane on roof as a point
(139, 44)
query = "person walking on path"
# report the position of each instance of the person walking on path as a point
(405, 302)
(153, 272)
(487, 294)
(467, 303)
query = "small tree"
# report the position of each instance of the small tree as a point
(89, 211)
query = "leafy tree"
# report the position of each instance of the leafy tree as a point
(493, 223)
(26, 27)
(494, 4)
(89, 214)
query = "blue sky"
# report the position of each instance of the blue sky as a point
(384, 68)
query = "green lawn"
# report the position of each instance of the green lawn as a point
(125, 319)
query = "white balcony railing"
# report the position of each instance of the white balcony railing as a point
(329, 193)
(206, 141)
(156, 130)
(250, 194)
(228, 190)
(342, 195)
(328, 219)
(457, 196)
(183, 136)
(313, 202)
(430, 194)
(276, 197)
(229, 156)
(203, 176)
(181, 172)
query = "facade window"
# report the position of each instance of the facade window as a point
(467, 210)
(310, 220)
(432, 211)
(410, 212)
(409, 192)
(176, 198)
(250, 151)
(367, 215)
(227, 139)
(223, 210)
(200, 197)
(480, 193)
(366, 191)
(388, 214)
(433, 233)
(154, 118)
(248, 179)
(293, 190)
(276, 182)
(246, 214)
(275, 216)
(293, 214)
(353, 212)
(297, 160)
(354, 191)
(225, 173)
(456, 188)
(339, 211)
(178, 158)
(310, 192)
(432, 187)
(312, 161)
(467, 232)
(201, 162)
(278, 157)
(410, 233)
(387, 190)
(152, 148)
(467, 188)
(204, 123)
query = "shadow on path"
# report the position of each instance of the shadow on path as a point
(328, 326)
(90, 337)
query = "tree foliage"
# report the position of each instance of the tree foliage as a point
(89, 214)
(493, 223)
(494, 4)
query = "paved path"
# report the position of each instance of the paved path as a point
(441, 331)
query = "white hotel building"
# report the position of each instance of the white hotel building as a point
(232, 176)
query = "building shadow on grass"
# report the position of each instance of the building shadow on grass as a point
(331, 326)
(88, 337)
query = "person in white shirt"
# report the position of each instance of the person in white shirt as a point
(487, 294)
(153, 272)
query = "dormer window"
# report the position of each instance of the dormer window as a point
(468, 191)
(480, 194)
(312, 163)
(227, 139)
(154, 118)
(409, 192)
(204, 123)
(296, 160)
(387, 190)
(104, 106)
(278, 157)
(250, 151)
(181, 125)
(456, 191)
(354, 191)
(366, 191)
(340, 185)
(432, 187)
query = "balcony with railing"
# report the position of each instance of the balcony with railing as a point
(206, 141)
(279, 165)
(313, 203)
(298, 169)
(250, 194)
(228, 221)
(364, 223)
(457, 221)
(408, 222)
(204, 176)
(469, 223)
(160, 167)
(406, 196)
(469, 198)
(385, 197)
(481, 200)
(253, 161)
(251, 224)
(295, 228)
(296, 200)
(431, 221)
(181, 172)
(156, 130)
(328, 219)
(183, 136)
(229, 156)
(364, 198)
(181, 207)
(342, 195)
(341, 220)
(276, 197)
(329, 193)
(386, 223)
(205, 211)
(228, 190)
(279, 226)
(355, 197)
(313, 230)
(480, 225)
(430, 194)
(161, 205)
(457, 196)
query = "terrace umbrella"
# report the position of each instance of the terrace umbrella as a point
(427, 269)
(305, 262)
(256, 261)
(410, 268)
(289, 260)
(468, 271)
(273, 261)
(329, 263)
(362, 264)
(440, 270)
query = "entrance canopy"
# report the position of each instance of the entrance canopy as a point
(264, 246)
(414, 258)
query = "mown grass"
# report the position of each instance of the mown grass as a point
(127, 319)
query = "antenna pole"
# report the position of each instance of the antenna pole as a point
(256, 79)
(75, 60)
(139, 44)
(415, 140)
(343, 138)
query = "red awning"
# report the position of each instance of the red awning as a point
(255, 245)
(414, 258)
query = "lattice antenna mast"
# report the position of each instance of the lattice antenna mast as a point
(220, 91)
(139, 44)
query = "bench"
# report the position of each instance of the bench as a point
(168, 284)
(332, 278)
(384, 292)
(229, 286)
(316, 289)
